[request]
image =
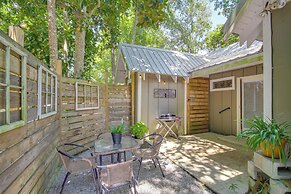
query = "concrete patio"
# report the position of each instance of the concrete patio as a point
(217, 161)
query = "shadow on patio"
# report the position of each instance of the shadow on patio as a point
(150, 181)
(212, 160)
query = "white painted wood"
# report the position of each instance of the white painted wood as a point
(253, 35)
(143, 76)
(267, 70)
(185, 107)
(7, 81)
(247, 79)
(39, 91)
(158, 77)
(84, 85)
(139, 85)
(222, 79)
(238, 102)
(175, 78)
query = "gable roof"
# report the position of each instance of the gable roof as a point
(165, 62)
(230, 53)
(159, 61)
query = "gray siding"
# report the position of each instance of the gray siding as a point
(226, 123)
(282, 63)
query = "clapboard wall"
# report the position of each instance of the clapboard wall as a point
(28, 159)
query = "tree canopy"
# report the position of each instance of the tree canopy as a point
(88, 31)
(224, 7)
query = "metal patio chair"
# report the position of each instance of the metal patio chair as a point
(149, 151)
(113, 176)
(77, 164)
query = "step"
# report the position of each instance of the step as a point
(274, 169)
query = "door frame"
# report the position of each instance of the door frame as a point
(239, 92)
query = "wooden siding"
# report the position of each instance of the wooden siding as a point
(198, 116)
(226, 122)
(28, 159)
(82, 126)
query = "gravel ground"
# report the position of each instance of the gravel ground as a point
(151, 181)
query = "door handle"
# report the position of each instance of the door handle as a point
(224, 110)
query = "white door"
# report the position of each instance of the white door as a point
(250, 99)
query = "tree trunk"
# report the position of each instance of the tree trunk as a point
(65, 43)
(113, 61)
(52, 32)
(79, 46)
(134, 23)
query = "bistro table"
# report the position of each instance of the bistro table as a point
(105, 146)
(167, 125)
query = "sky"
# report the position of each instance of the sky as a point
(215, 18)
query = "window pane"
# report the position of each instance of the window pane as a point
(15, 105)
(15, 80)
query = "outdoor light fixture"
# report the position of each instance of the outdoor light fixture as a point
(164, 82)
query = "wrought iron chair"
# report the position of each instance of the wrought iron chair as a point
(149, 151)
(113, 176)
(76, 164)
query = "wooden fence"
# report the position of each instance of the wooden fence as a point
(198, 101)
(28, 160)
(82, 126)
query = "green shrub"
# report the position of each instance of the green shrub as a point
(139, 129)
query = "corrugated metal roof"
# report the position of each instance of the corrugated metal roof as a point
(230, 53)
(159, 61)
(165, 62)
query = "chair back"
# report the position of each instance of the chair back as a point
(118, 173)
(152, 148)
(75, 164)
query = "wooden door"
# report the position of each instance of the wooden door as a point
(197, 105)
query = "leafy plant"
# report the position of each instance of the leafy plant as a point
(119, 129)
(139, 129)
(266, 131)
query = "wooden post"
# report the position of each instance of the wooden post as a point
(17, 34)
(106, 101)
(60, 94)
(132, 97)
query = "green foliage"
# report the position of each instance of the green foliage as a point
(265, 131)
(225, 7)
(233, 187)
(215, 39)
(139, 129)
(119, 129)
(186, 25)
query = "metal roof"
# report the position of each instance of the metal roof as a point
(159, 61)
(230, 53)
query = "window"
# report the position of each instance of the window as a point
(13, 101)
(47, 92)
(222, 84)
(87, 96)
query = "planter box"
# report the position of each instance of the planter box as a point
(274, 169)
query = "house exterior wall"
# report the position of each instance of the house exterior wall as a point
(153, 107)
(226, 122)
(281, 43)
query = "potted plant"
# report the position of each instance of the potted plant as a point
(116, 133)
(139, 130)
(267, 135)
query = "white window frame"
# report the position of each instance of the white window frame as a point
(232, 78)
(7, 85)
(39, 82)
(77, 84)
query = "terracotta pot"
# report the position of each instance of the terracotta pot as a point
(267, 151)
